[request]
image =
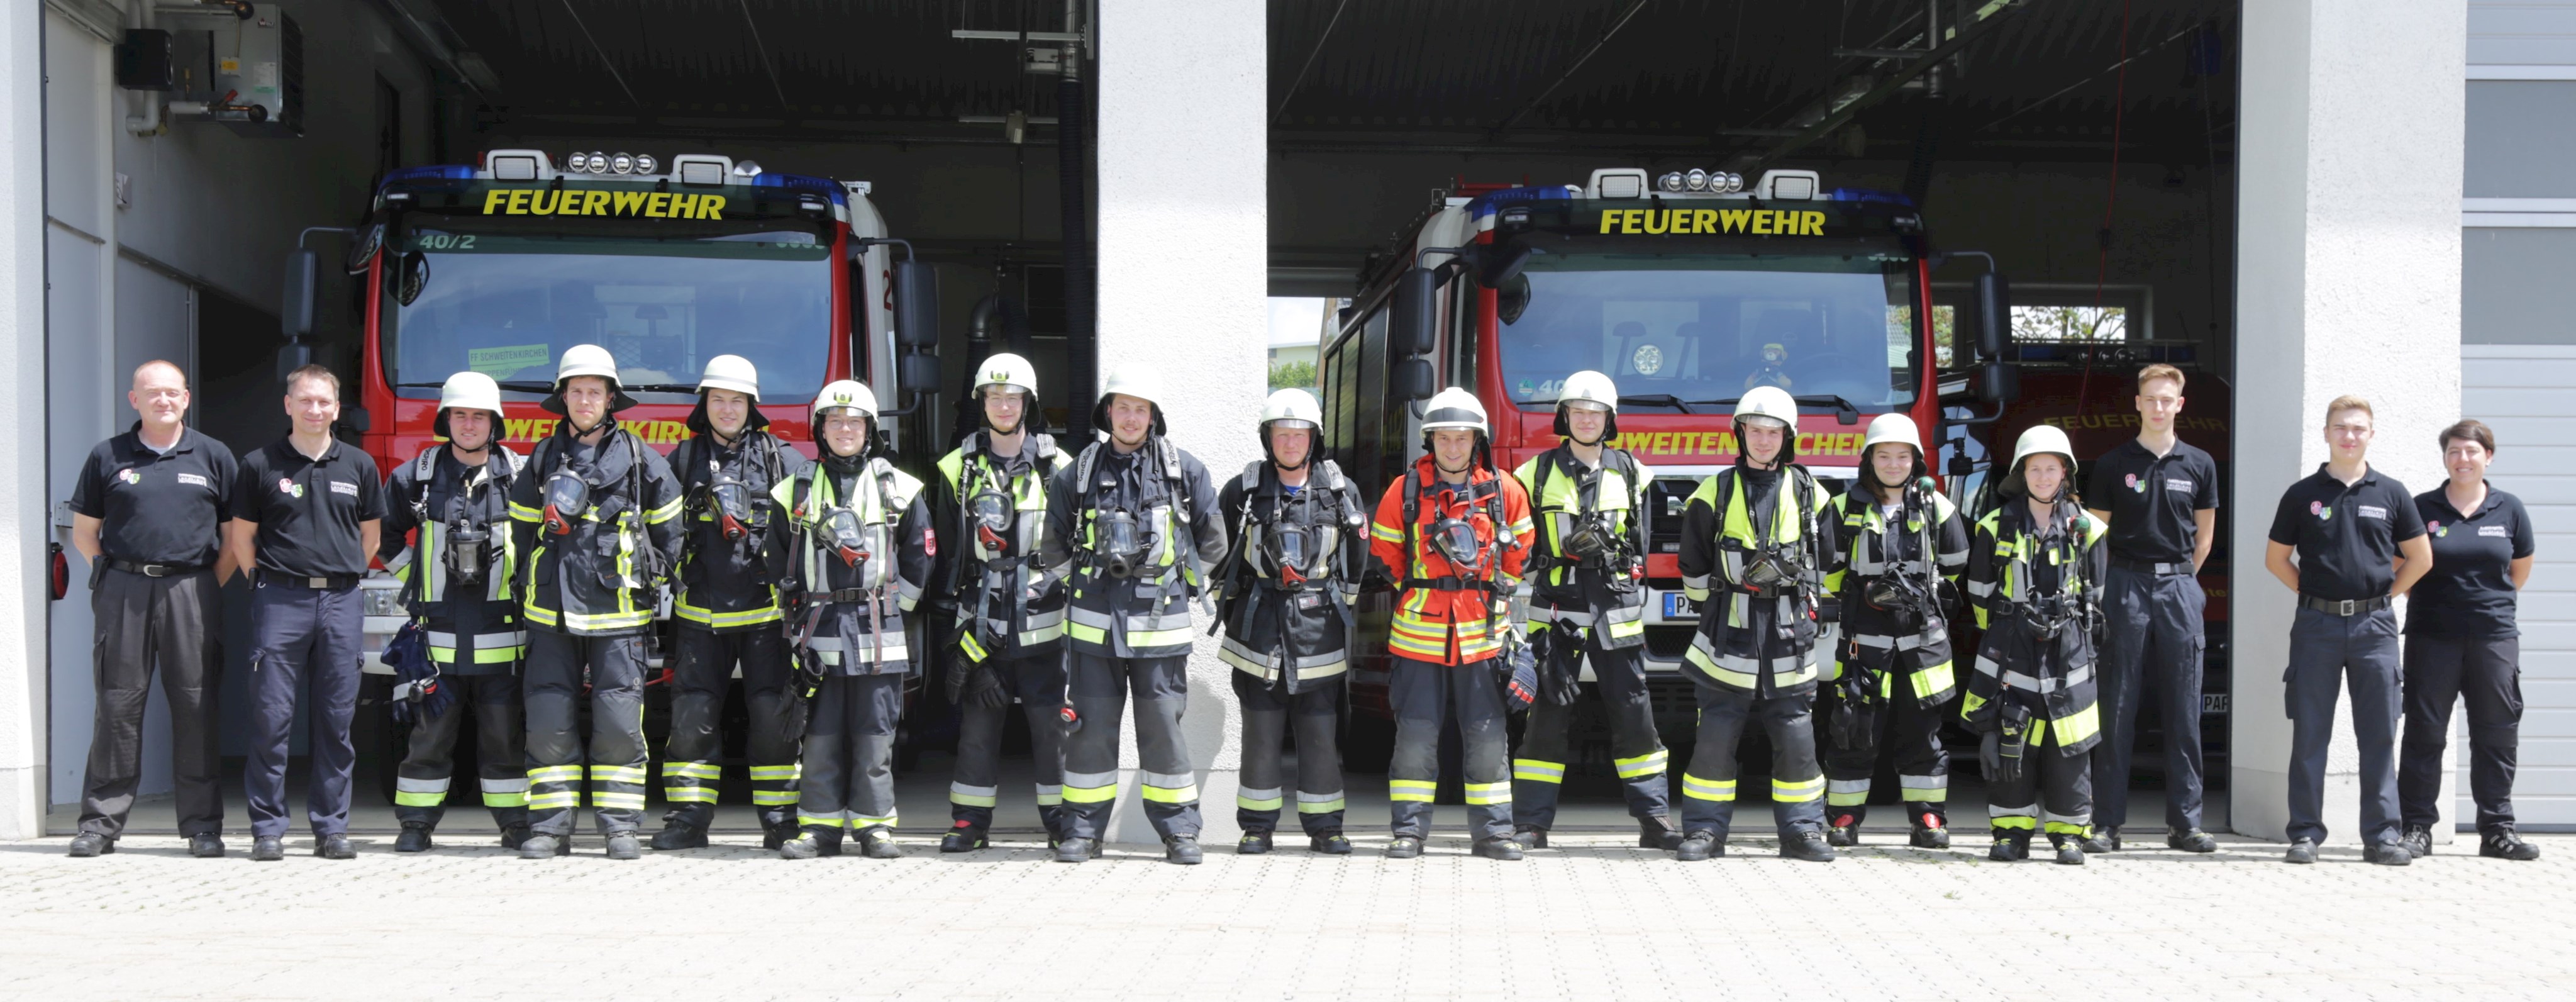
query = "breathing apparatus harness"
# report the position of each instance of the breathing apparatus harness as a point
(466, 550)
(842, 535)
(732, 504)
(2047, 618)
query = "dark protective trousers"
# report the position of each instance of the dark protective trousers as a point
(2152, 644)
(974, 789)
(693, 760)
(2487, 672)
(2054, 791)
(2325, 650)
(1538, 770)
(140, 622)
(1270, 715)
(500, 743)
(556, 750)
(1425, 697)
(1797, 780)
(1166, 781)
(302, 638)
(849, 756)
(1903, 731)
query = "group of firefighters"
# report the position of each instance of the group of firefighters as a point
(1066, 583)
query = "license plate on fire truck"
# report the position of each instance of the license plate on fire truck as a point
(1678, 606)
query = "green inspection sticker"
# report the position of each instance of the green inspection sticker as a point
(507, 360)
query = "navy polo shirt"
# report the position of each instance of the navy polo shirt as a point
(2469, 592)
(2346, 536)
(308, 510)
(156, 508)
(2151, 499)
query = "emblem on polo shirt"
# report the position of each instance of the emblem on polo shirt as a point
(2319, 509)
(2137, 485)
(288, 487)
(2436, 529)
(130, 475)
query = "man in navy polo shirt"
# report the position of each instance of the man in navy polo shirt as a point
(2160, 497)
(2348, 523)
(305, 515)
(148, 512)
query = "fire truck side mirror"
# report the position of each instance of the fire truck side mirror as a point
(916, 304)
(295, 310)
(1994, 315)
(2000, 382)
(1412, 380)
(917, 372)
(1417, 313)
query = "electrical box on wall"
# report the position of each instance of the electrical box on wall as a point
(241, 64)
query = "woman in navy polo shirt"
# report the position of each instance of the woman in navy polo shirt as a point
(2461, 641)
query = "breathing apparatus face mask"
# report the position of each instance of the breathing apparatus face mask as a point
(469, 551)
(1291, 549)
(1770, 569)
(990, 511)
(1591, 536)
(1120, 541)
(1457, 542)
(1894, 593)
(567, 498)
(732, 503)
(848, 536)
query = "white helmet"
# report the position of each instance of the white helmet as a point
(2039, 439)
(731, 372)
(470, 390)
(1454, 408)
(1010, 370)
(1292, 408)
(1767, 402)
(587, 360)
(1133, 379)
(1891, 428)
(1592, 387)
(843, 395)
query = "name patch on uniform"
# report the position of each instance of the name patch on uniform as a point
(338, 487)
(2494, 530)
(193, 480)
(2184, 486)
(2374, 511)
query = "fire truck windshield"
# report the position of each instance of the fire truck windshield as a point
(506, 302)
(1702, 329)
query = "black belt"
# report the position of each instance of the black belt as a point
(322, 582)
(848, 595)
(1450, 583)
(2344, 606)
(2149, 567)
(154, 570)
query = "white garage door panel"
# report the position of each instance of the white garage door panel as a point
(2522, 391)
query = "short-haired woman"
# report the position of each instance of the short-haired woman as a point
(2461, 641)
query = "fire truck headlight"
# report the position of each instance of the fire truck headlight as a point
(644, 164)
(598, 163)
(622, 164)
(1697, 179)
(1672, 181)
(1734, 182)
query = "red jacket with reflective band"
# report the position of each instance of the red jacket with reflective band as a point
(1455, 626)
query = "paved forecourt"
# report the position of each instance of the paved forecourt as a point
(1595, 919)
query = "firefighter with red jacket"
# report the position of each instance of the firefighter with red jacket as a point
(1453, 534)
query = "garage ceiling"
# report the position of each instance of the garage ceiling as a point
(1505, 76)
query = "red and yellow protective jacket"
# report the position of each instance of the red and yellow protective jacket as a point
(1447, 614)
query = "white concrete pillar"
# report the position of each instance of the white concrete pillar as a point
(2348, 281)
(1184, 249)
(23, 531)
